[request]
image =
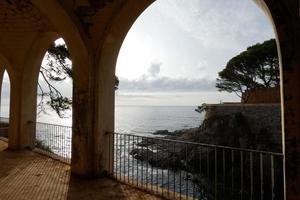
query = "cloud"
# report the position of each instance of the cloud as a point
(219, 24)
(166, 84)
(153, 82)
(5, 92)
(154, 69)
(193, 39)
(173, 99)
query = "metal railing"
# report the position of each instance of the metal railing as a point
(54, 139)
(188, 170)
(179, 169)
(4, 122)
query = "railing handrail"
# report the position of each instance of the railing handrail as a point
(49, 124)
(185, 170)
(37, 122)
(4, 128)
(178, 141)
(219, 171)
(203, 144)
(6, 118)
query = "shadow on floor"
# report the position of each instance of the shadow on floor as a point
(28, 175)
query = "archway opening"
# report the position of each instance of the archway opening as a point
(212, 40)
(54, 102)
(5, 104)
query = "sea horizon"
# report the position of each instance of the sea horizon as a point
(137, 119)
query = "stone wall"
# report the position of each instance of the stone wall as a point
(264, 119)
(262, 95)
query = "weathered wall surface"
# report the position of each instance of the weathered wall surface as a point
(264, 120)
(94, 31)
(262, 95)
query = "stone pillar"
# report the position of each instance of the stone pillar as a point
(290, 51)
(83, 140)
(291, 108)
(93, 118)
(105, 107)
(23, 97)
(82, 133)
(83, 159)
(105, 60)
(285, 16)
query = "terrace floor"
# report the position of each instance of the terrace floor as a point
(28, 175)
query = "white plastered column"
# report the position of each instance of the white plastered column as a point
(23, 98)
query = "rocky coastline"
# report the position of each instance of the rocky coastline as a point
(222, 130)
(232, 130)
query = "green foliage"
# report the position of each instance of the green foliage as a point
(59, 62)
(58, 68)
(257, 67)
(117, 81)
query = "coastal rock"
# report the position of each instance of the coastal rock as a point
(235, 129)
(255, 128)
(161, 132)
(162, 158)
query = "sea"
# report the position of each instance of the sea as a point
(138, 120)
(135, 120)
(144, 120)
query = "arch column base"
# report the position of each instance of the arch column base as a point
(21, 132)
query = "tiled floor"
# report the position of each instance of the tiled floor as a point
(28, 175)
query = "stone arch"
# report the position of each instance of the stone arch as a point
(121, 23)
(66, 28)
(83, 99)
(107, 54)
(5, 65)
(285, 16)
(24, 92)
(2, 73)
(285, 19)
(117, 30)
(36, 55)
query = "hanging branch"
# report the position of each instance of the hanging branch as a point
(57, 69)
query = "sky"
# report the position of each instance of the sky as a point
(175, 49)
